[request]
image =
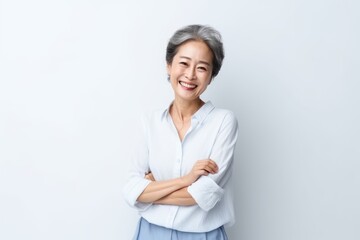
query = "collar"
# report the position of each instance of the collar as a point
(199, 116)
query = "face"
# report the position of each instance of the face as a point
(190, 71)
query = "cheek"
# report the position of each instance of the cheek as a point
(173, 80)
(178, 71)
(207, 79)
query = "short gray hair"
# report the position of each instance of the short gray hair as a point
(206, 34)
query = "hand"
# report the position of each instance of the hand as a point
(150, 177)
(201, 168)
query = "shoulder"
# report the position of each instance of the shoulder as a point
(225, 123)
(225, 115)
(154, 116)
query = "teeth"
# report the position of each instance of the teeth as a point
(188, 85)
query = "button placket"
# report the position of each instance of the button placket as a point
(177, 174)
(178, 160)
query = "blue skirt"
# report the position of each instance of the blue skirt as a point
(149, 231)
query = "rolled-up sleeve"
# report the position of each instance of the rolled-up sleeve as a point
(209, 190)
(132, 190)
(136, 183)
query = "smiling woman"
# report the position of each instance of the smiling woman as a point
(181, 190)
(190, 70)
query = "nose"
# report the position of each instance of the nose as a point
(190, 73)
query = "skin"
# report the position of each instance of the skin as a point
(190, 74)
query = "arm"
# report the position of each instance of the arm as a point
(136, 183)
(208, 190)
(180, 197)
(158, 189)
(175, 190)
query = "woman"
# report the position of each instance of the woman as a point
(180, 176)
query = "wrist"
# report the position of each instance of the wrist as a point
(187, 180)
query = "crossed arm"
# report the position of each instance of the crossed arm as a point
(174, 191)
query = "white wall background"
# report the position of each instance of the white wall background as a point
(74, 76)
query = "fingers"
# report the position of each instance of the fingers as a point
(208, 165)
(201, 168)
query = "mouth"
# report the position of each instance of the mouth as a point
(187, 85)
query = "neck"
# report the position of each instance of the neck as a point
(185, 109)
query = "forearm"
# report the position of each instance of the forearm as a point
(157, 190)
(180, 197)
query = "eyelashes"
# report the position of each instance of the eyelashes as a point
(200, 68)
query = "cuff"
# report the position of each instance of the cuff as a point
(206, 192)
(132, 191)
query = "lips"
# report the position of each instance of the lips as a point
(187, 85)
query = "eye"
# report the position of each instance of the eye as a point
(183, 64)
(203, 69)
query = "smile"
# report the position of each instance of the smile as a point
(187, 85)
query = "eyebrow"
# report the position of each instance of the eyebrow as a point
(203, 62)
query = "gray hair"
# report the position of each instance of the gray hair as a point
(206, 34)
